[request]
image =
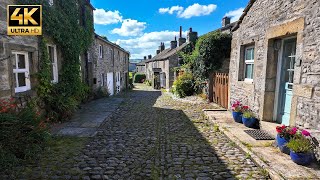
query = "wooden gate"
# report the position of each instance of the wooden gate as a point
(220, 89)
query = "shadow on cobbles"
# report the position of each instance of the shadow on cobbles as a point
(152, 136)
(147, 139)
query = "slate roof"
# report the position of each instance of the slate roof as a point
(165, 54)
(110, 43)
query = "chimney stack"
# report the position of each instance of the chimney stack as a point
(192, 36)
(174, 43)
(149, 56)
(161, 47)
(158, 51)
(225, 21)
(144, 57)
(181, 39)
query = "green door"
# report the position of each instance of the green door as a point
(286, 80)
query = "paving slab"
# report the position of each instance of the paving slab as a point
(89, 118)
(263, 152)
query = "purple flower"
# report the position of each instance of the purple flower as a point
(305, 133)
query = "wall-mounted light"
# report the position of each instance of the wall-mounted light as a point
(277, 44)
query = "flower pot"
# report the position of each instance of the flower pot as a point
(301, 158)
(237, 116)
(249, 122)
(281, 143)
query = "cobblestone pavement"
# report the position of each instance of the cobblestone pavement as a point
(152, 136)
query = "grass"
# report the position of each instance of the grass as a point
(249, 146)
(264, 172)
(60, 150)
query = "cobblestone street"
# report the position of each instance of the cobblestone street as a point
(152, 136)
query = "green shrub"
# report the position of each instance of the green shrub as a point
(148, 82)
(23, 134)
(184, 85)
(299, 144)
(102, 92)
(139, 78)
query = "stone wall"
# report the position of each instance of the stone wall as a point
(265, 22)
(8, 44)
(114, 60)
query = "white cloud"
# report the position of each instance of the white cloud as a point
(106, 17)
(148, 43)
(197, 10)
(235, 14)
(130, 27)
(191, 11)
(171, 10)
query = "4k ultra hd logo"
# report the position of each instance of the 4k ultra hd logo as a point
(24, 19)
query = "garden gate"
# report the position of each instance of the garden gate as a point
(221, 89)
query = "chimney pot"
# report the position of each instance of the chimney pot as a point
(144, 57)
(225, 21)
(180, 32)
(149, 56)
(190, 29)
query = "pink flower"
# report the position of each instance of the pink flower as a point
(293, 131)
(305, 133)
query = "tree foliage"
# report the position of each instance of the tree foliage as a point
(210, 51)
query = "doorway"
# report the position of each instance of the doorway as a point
(285, 74)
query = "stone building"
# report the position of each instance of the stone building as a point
(110, 66)
(160, 68)
(275, 61)
(19, 59)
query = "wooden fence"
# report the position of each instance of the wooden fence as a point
(220, 89)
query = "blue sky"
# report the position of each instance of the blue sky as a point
(139, 26)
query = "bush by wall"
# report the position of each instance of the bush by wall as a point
(23, 133)
(184, 85)
(139, 78)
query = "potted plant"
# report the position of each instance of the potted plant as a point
(301, 148)
(236, 108)
(248, 118)
(285, 133)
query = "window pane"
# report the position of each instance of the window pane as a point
(21, 79)
(249, 54)
(21, 61)
(52, 73)
(249, 71)
(51, 54)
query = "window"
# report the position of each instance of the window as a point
(52, 51)
(21, 72)
(100, 51)
(249, 63)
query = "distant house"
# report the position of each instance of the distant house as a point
(160, 68)
(275, 66)
(133, 64)
(110, 66)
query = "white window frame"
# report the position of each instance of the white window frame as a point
(100, 51)
(26, 71)
(54, 64)
(248, 62)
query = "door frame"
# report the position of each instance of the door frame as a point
(278, 78)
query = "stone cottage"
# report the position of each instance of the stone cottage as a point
(19, 59)
(160, 68)
(110, 66)
(275, 61)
